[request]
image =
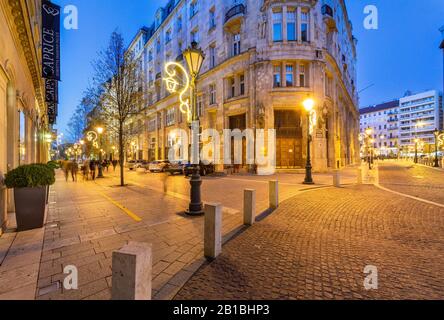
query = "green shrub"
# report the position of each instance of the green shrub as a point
(30, 176)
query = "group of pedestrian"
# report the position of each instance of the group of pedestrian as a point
(89, 169)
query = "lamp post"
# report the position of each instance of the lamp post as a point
(308, 106)
(368, 133)
(194, 58)
(100, 132)
(436, 164)
(416, 150)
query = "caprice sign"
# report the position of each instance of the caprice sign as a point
(256, 151)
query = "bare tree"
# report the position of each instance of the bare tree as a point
(118, 92)
(78, 122)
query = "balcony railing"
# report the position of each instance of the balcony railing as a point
(327, 10)
(236, 10)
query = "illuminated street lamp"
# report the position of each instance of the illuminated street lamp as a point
(194, 58)
(439, 139)
(311, 115)
(416, 150)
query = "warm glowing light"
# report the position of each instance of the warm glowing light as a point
(172, 85)
(99, 130)
(368, 131)
(308, 104)
(82, 142)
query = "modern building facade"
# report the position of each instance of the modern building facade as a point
(419, 116)
(382, 119)
(263, 59)
(23, 121)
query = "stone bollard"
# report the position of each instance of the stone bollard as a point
(359, 175)
(213, 230)
(273, 194)
(132, 272)
(249, 207)
(336, 178)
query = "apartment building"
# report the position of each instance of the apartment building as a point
(263, 59)
(419, 116)
(383, 120)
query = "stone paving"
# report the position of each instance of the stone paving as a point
(317, 244)
(88, 220)
(415, 180)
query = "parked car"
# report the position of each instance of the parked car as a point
(158, 166)
(175, 168)
(136, 164)
(204, 169)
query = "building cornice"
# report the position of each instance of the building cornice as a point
(19, 22)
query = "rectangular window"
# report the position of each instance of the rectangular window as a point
(302, 79)
(195, 36)
(179, 24)
(150, 55)
(289, 75)
(199, 107)
(212, 56)
(304, 26)
(277, 26)
(158, 46)
(193, 8)
(212, 18)
(277, 77)
(170, 117)
(232, 84)
(242, 84)
(168, 36)
(212, 94)
(236, 44)
(329, 86)
(291, 24)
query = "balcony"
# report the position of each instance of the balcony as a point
(234, 16)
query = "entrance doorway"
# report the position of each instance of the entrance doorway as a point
(288, 139)
(239, 122)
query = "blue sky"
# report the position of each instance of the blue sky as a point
(401, 55)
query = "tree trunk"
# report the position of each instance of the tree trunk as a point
(121, 156)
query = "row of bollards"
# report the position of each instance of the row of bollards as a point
(132, 265)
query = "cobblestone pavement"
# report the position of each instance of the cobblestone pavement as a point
(415, 180)
(317, 244)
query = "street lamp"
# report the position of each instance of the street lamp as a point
(194, 57)
(368, 134)
(100, 132)
(308, 106)
(437, 134)
(416, 150)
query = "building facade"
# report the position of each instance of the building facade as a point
(382, 119)
(263, 59)
(23, 122)
(419, 116)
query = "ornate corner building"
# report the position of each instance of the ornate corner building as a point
(24, 125)
(263, 59)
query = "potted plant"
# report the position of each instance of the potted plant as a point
(30, 183)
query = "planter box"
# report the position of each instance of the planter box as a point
(30, 207)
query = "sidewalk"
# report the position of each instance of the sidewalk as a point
(87, 221)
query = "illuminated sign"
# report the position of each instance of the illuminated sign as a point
(173, 84)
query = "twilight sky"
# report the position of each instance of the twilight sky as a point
(401, 55)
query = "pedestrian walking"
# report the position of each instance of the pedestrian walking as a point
(74, 170)
(65, 168)
(114, 164)
(85, 171)
(92, 168)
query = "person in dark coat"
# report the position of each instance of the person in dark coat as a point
(92, 168)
